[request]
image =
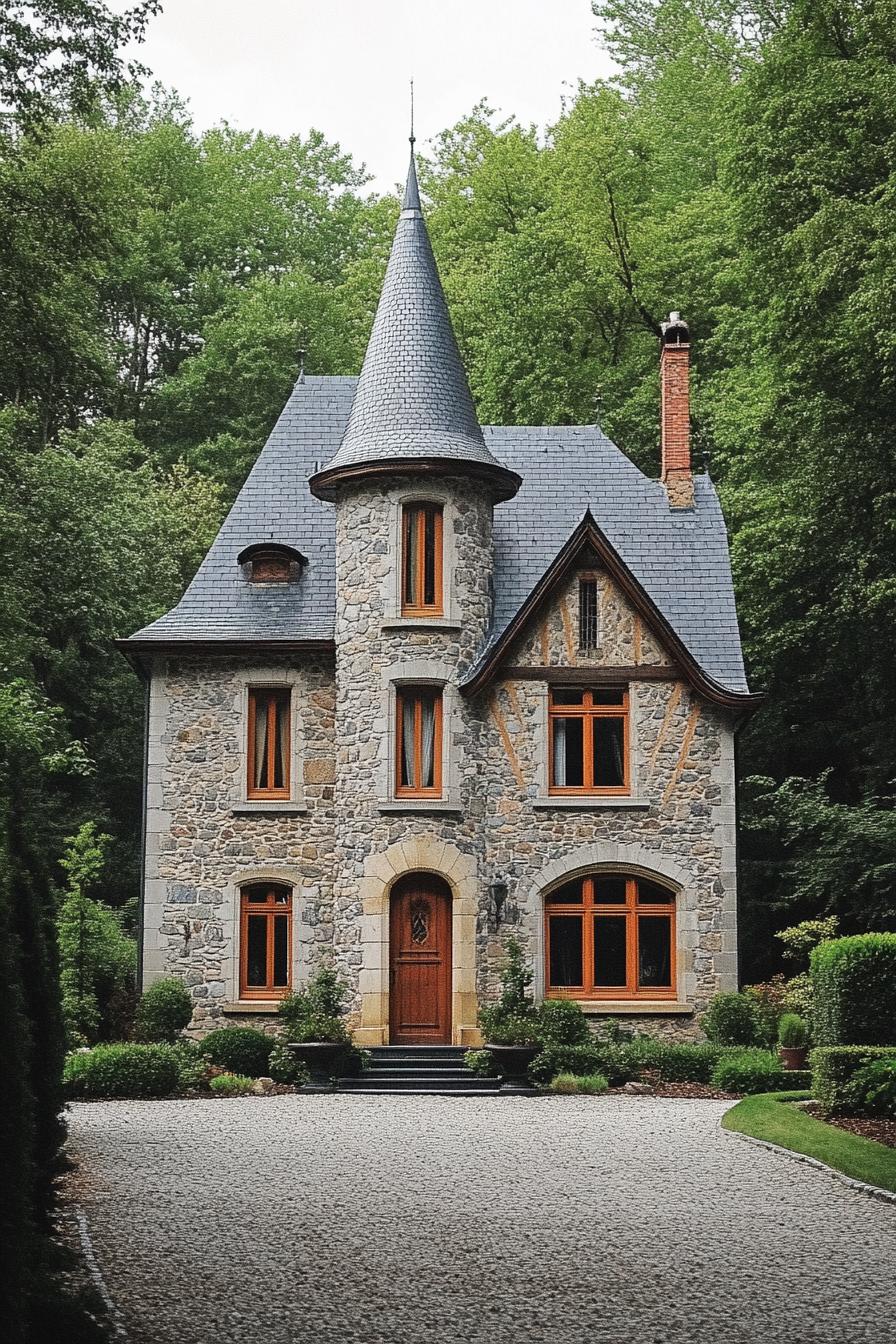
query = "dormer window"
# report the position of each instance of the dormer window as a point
(271, 563)
(421, 560)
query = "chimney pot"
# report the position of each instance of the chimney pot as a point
(675, 412)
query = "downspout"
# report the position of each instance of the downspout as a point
(141, 903)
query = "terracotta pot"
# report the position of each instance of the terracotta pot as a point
(513, 1063)
(794, 1056)
(319, 1058)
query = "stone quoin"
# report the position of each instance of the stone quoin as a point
(436, 685)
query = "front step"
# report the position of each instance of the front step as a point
(418, 1070)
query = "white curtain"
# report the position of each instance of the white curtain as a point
(428, 707)
(282, 742)
(261, 741)
(407, 741)
(559, 753)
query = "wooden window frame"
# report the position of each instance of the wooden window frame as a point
(414, 514)
(275, 693)
(591, 911)
(588, 711)
(416, 693)
(268, 910)
(585, 633)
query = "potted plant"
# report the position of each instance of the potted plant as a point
(314, 1029)
(510, 1026)
(793, 1041)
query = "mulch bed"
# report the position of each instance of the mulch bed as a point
(882, 1131)
(684, 1091)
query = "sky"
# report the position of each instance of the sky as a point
(344, 66)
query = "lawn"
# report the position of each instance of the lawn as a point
(768, 1116)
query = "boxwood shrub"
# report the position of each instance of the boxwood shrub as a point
(123, 1071)
(833, 1069)
(732, 1019)
(163, 1012)
(747, 1071)
(603, 1057)
(687, 1063)
(854, 984)
(872, 1089)
(240, 1050)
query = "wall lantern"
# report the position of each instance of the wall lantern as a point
(498, 893)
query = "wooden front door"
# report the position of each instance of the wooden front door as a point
(420, 961)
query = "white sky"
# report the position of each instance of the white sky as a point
(343, 66)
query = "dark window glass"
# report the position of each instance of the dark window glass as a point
(281, 951)
(588, 621)
(429, 558)
(257, 894)
(609, 757)
(654, 952)
(566, 950)
(569, 894)
(609, 890)
(609, 951)
(257, 951)
(411, 597)
(567, 695)
(608, 696)
(650, 893)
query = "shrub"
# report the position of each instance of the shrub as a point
(586, 1084)
(687, 1063)
(481, 1063)
(163, 1012)
(770, 1000)
(596, 1057)
(231, 1085)
(123, 1071)
(731, 1019)
(747, 1071)
(192, 1066)
(792, 1032)
(854, 981)
(562, 1022)
(872, 1089)
(513, 1019)
(239, 1049)
(315, 1012)
(833, 1068)
(283, 1067)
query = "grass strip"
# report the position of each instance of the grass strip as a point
(768, 1116)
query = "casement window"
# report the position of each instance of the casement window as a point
(268, 748)
(421, 560)
(610, 936)
(265, 940)
(589, 631)
(589, 740)
(418, 742)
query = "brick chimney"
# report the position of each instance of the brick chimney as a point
(675, 412)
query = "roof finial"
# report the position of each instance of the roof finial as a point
(413, 137)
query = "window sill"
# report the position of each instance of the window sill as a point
(590, 801)
(420, 623)
(651, 1007)
(418, 805)
(245, 1007)
(280, 807)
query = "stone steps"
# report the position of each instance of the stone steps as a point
(418, 1070)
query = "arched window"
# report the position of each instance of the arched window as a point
(610, 936)
(421, 560)
(271, 562)
(265, 940)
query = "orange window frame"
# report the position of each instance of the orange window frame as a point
(416, 696)
(269, 910)
(591, 911)
(275, 697)
(588, 712)
(413, 523)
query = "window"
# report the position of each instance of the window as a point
(588, 621)
(270, 567)
(610, 936)
(265, 940)
(269, 741)
(588, 747)
(421, 560)
(418, 742)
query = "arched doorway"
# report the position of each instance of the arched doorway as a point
(420, 961)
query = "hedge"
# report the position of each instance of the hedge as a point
(240, 1050)
(854, 983)
(123, 1071)
(833, 1067)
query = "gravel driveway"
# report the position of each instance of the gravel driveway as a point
(392, 1219)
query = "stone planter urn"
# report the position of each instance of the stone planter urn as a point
(513, 1064)
(319, 1058)
(794, 1056)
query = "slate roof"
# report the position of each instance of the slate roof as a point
(680, 557)
(412, 398)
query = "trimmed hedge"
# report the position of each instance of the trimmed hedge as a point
(240, 1050)
(833, 1067)
(854, 983)
(600, 1057)
(747, 1071)
(872, 1090)
(123, 1071)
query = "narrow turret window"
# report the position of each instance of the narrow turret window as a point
(418, 742)
(589, 632)
(268, 746)
(421, 560)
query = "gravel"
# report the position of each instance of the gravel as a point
(453, 1220)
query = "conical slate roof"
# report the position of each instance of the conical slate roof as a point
(413, 401)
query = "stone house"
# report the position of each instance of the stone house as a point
(438, 683)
